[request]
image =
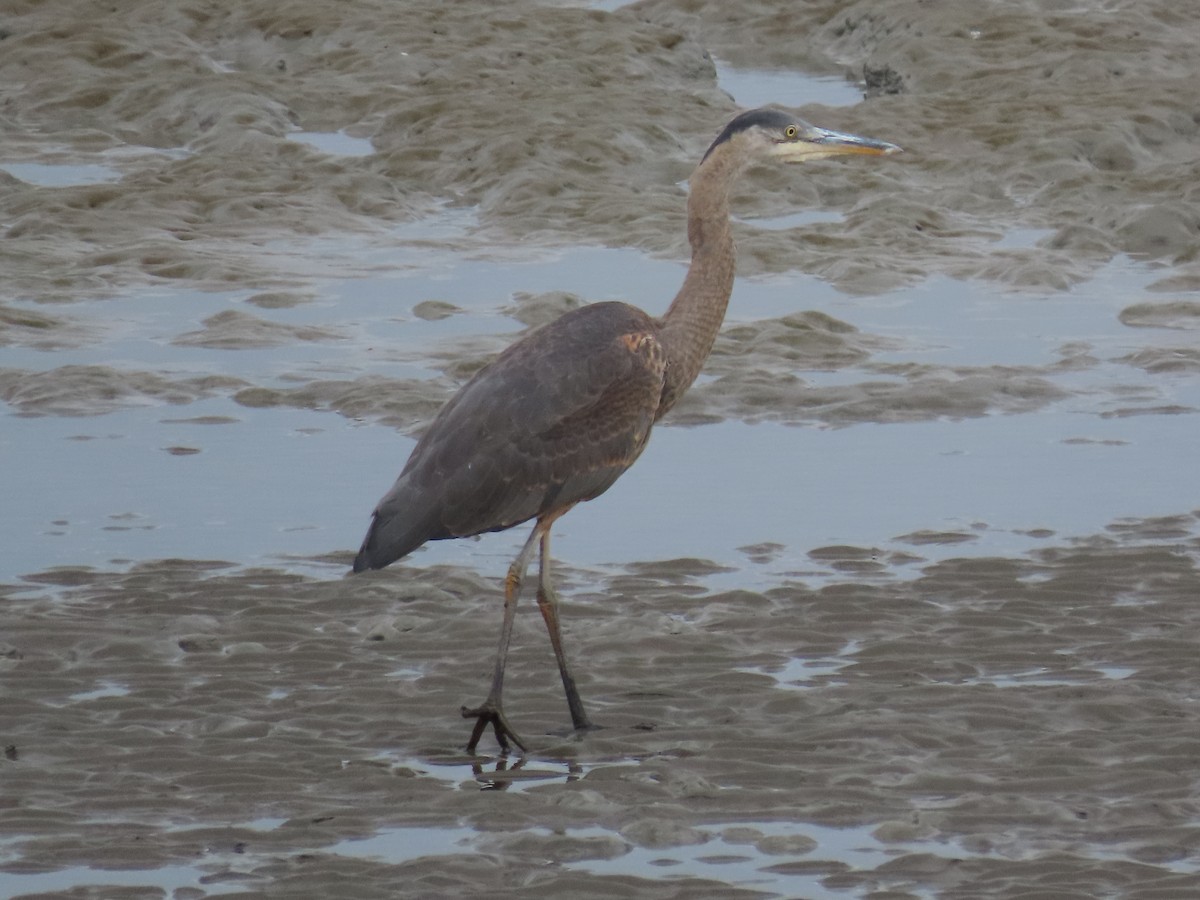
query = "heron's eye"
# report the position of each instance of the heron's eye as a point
(790, 132)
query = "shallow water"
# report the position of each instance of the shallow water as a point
(859, 481)
(900, 601)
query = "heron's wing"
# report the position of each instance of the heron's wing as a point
(552, 421)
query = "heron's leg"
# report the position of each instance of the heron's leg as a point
(547, 600)
(491, 711)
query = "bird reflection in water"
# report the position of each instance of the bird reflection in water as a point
(503, 775)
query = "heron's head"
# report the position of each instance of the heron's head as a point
(775, 134)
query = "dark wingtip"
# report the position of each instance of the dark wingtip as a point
(388, 540)
(365, 559)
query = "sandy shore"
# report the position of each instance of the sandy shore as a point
(900, 603)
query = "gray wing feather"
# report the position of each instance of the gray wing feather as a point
(553, 420)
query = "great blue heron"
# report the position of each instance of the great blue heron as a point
(558, 416)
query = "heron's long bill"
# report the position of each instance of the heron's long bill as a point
(817, 143)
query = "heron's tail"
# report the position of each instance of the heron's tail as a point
(389, 538)
(366, 559)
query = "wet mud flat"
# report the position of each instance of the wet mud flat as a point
(987, 727)
(901, 602)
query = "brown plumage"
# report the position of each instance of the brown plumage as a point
(557, 417)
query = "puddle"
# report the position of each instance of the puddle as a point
(729, 854)
(335, 143)
(171, 496)
(795, 220)
(317, 475)
(761, 87)
(804, 673)
(792, 859)
(1046, 677)
(61, 174)
(742, 855)
(267, 823)
(406, 674)
(400, 845)
(1022, 238)
(756, 856)
(169, 879)
(968, 323)
(201, 880)
(1116, 673)
(503, 773)
(447, 224)
(104, 689)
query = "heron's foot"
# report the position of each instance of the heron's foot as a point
(491, 713)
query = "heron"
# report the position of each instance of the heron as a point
(556, 418)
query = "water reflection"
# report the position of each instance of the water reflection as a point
(502, 773)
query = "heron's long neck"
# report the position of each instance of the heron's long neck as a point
(690, 325)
